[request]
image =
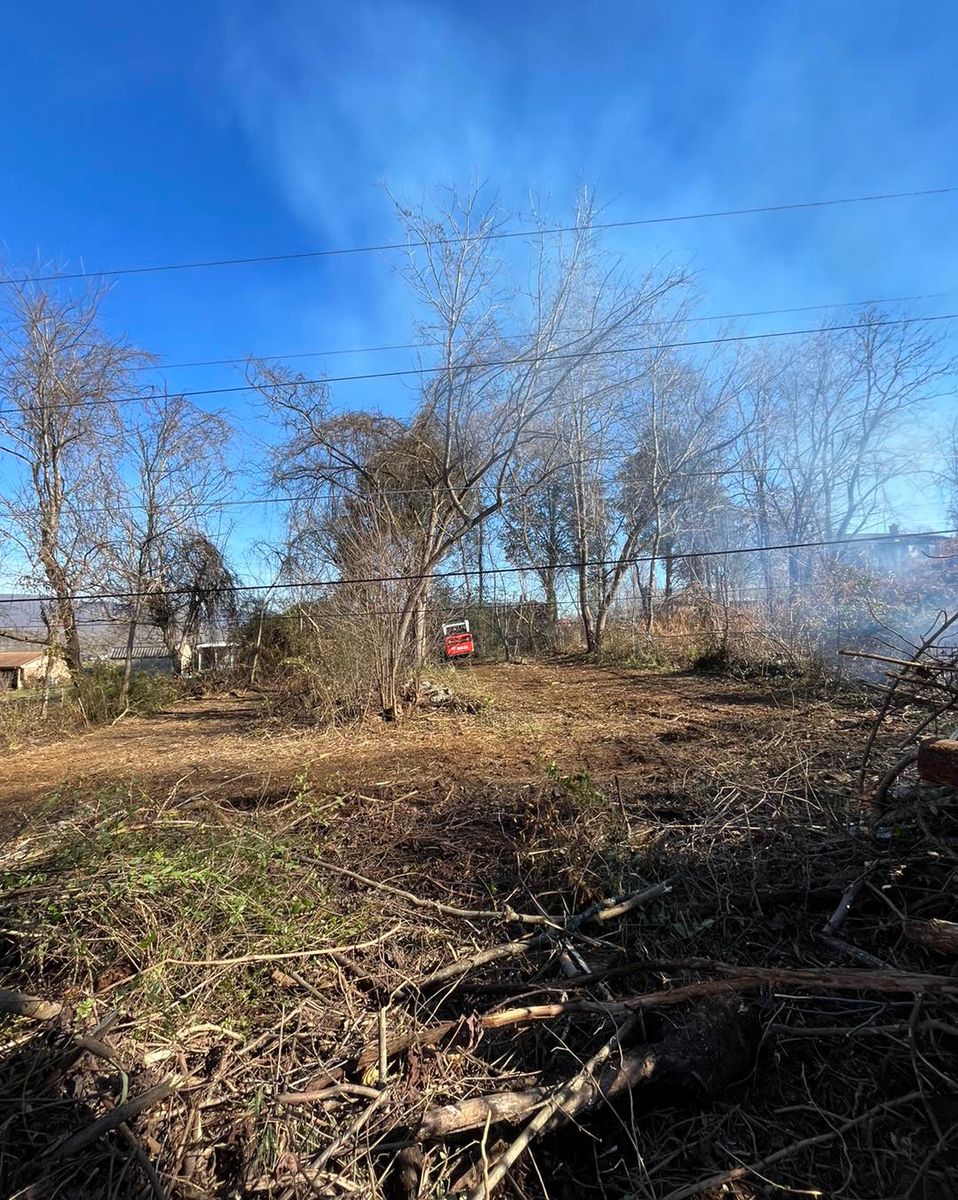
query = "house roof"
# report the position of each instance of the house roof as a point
(141, 650)
(19, 658)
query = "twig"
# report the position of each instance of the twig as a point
(115, 1117)
(289, 954)
(334, 1147)
(724, 1177)
(508, 913)
(881, 788)
(143, 1159)
(600, 912)
(383, 1056)
(329, 1093)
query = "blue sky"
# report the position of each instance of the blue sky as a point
(135, 134)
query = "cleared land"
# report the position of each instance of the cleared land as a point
(249, 928)
(644, 729)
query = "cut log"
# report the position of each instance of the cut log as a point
(446, 1120)
(940, 936)
(712, 1044)
(938, 761)
(701, 1056)
(28, 1006)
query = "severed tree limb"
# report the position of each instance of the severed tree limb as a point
(447, 1120)
(936, 934)
(702, 1053)
(22, 1005)
(600, 912)
(111, 1120)
(938, 761)
(576, 1093)
(736, 979)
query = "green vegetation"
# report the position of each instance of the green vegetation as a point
(128, 901)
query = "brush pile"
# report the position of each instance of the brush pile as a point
(419, 991)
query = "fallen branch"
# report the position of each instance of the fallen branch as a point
(703, 1053)
(938, 761)
(891, 775)
(111, 1120)
(508, 913)
(566, 1100)
(330, 1093)
(495, 1109)
(22, 1005)
(736, 980)
(936, 934)
(599, 912)
(837, 919)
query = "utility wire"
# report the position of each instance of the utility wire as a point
(522, 360)
(466, 572)
(738, 595)
(466, 239)
(761, 312)
(208, 506)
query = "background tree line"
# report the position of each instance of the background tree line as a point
(568, 426)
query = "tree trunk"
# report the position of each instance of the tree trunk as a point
(420, 634)
(650, 620)
(66, 617)
(598, 629)
(938, 761)
(124, 696)
(552, 609)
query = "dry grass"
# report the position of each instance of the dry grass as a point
(216, 943)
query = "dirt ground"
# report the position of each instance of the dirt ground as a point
(640, 731)
(258, 908)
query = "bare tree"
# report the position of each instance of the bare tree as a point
(656, 423)
(538, 524)
(193, 587)
(491, 392)
(176, 473)
(824, 445)
(61, 376)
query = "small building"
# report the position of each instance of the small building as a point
(151, 658)
(899, 552)
(28, 668)
(155, 659)
(213, 656)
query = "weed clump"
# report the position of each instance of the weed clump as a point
(96, 693)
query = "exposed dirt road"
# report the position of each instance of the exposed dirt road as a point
(643, 729)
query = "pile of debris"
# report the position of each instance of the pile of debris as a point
(434, 1104)
(533, 992)
(434, 695)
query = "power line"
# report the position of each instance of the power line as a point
(466, 572)
(206, 507)
(761, 312)
(466, 239)
(523, 360)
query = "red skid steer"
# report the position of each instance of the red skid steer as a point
(457, 640)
